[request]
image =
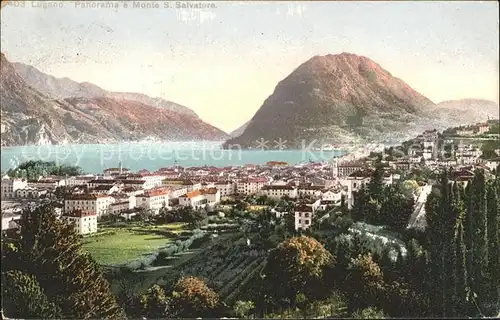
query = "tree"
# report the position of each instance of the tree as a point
(297, 266)
(460, 270)
(410, 188)
(376, 183)
(24, 298)
(396, 209)
(154, 302)
(441, 219)
(192, 298)
(49, 250)
(243, 308)
(343, 205)
(32, 170)
(365, 282)
(368, 313)
(479, 236)
(493, 224)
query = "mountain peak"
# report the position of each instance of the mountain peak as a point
(333, 95)
(343, 62)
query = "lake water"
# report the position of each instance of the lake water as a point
(94, 158)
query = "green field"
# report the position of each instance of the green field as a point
(127, 244)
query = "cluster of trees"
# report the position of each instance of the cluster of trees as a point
(384, 205)
(46, 274)
(304, 278)
(489, 148)
(262, 200)
(32, 170)
(463, 246)
(195, 218)
(190, 297)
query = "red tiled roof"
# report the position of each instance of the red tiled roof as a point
(192, 194)
(156, 192)
(276, 163)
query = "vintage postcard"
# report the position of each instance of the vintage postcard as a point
(250, 159)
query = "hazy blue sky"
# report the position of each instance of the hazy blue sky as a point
(224, 62)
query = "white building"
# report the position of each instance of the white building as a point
(310, 190)
(212, 195)
(427, 154)
(176, 192)
(85, 222)
(345, 168)
(154, 199)
(279, 191)
(122, 203)
(468, 154)
(415, 159)
(149, 181)
(251, 185)
(200, 198)
(354, 183)
(193, 199)
(10, 186)
(303, 217)
(10, 222)
(482, 128)
(119, 206)
(48, 183)
(189, 185)
(304, 213)
(493, 164)
(94, 203)
(30, 193)
(226, 188)
(331, 195)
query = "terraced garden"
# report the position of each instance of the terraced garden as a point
(231, 265)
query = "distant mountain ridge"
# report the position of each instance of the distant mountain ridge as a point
(62, 88)
(30, 117)
(465, 111)
(343, 98)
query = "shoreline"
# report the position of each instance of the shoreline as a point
(96, 158)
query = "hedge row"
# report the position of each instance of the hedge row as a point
(158, 256)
